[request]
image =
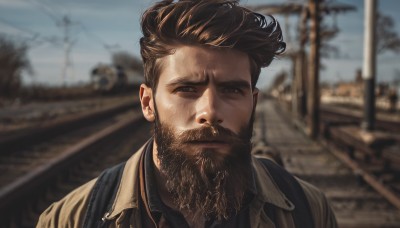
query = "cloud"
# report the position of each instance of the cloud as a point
(100, 8)
(5, 29)
(14, 4)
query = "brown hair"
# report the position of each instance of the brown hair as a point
(212, 23)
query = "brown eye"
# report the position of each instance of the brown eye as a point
(186, 89)
(232, 90)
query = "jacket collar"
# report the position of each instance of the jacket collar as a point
(128, 192)
(267, 190)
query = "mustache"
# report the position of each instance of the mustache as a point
(210, 133)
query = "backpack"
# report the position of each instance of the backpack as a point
(103, 194)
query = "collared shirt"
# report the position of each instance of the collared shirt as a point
(160, 212)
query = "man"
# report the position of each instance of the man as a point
(202, 60)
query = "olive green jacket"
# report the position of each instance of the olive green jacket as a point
(70, 211)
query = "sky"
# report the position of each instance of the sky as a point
(99, 28)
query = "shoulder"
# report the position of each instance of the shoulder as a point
(320, 207)
(313, 194)
(69, 211)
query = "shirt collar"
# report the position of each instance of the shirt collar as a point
(153, 199)
(127, 196)
(267, 190)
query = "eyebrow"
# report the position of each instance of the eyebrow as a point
(188, 81)
(235, 83)
(203, 82)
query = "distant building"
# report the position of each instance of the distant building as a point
(348, 89)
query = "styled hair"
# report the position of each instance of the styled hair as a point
(209, 23)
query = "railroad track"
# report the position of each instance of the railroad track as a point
(35, 175)
(10, 141)
(347, 115)
(356, 202)
(375, 155)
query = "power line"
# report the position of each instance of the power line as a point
(34, 39)
(60, 22)
(68, 39)
(51, 13)
(93, 36)
(65, 23)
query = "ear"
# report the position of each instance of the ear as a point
(146, 100)
(255, 96)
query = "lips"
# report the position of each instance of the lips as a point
(211, 144)
(215, 135)
(208, 141)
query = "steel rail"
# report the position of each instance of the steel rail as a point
(368, 178)
(23, 186)
(356, 117)
(26, 137)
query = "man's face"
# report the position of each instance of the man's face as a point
(201, 86)
(203, 110)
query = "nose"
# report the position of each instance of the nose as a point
(209, 108)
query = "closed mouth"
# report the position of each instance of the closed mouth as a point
(213, 141)
(210, 144)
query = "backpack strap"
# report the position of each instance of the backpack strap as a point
(102, 195)
(301, 214)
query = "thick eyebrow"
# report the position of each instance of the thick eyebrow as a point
(242, 84)
(188, 81)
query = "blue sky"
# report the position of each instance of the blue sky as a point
(98, 24)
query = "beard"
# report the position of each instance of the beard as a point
(208, 182)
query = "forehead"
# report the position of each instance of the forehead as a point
(200, 62)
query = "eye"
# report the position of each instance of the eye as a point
(232, 90)
(185, 89)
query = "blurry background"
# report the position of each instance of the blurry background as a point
(70, 70)
(64, 40)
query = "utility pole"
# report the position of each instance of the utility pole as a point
(369, 66)
(305, 93)
(313, 89)
(301, 65)
(66, 23)
(294, 87)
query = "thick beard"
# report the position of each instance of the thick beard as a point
(205, 182)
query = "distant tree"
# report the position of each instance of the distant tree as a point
(13, 61)
(387, 37)
(127, 61)
(358, 77)
(328, 34)
(279, 79)
(396, 77)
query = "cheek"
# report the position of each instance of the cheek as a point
(238, 116)
(175, 111)
(244, 107)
